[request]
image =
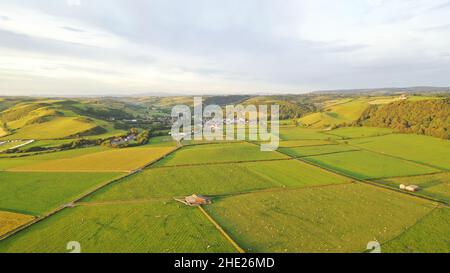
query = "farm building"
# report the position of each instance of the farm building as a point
(411, 188)
(195, 200)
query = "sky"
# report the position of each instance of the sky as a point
(119, 47)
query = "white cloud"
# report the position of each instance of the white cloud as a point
(142, 46)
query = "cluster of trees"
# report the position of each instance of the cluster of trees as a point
(429, 117)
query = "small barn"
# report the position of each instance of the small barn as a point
(410, 188)
(195, 200)
(413, 188)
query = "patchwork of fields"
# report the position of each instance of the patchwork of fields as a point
(313, 195)
(342, 218)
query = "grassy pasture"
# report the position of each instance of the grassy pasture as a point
(341, 218)
(430, 235)
(299, 133)
(359, 132)
(316, 150)
(10, 221)
(59, 127)
(303, 143)
(368, 165)
(38, 193)
(436, 185)
(122, 160)
(216, 153)
(423, 149)
(216, 180)
(161, 227)
(162, 141)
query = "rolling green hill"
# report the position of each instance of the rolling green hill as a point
(55, 119)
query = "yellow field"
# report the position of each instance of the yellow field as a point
(41, 112)
(57, 128)
(10, 221)
(118, 160)
(2, 131)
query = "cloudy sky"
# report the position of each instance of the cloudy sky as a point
(80, 47)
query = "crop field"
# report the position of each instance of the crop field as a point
(10, 221)
(429, 235)
(216, 153)
(367, 165)
(317, 150)
(423, 149)
(122, 228)
(299, 133)
(340, 218)
(436, 185)
(216, 180)
(121, 160)
(60, 127)
(360, 132)
(38, 193)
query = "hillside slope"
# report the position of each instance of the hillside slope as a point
(51, 119)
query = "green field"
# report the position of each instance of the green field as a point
(435, 186)
(216, 180)
(303, 143)
(142, 228)
(299, 133)
(216, 153)
(120, 160)
(317, 150)
(38, 193)
(340, 218)
(367, 165)
(427, 150)
(360, 132)
(429, 235)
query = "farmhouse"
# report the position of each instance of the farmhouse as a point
(195, 200)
